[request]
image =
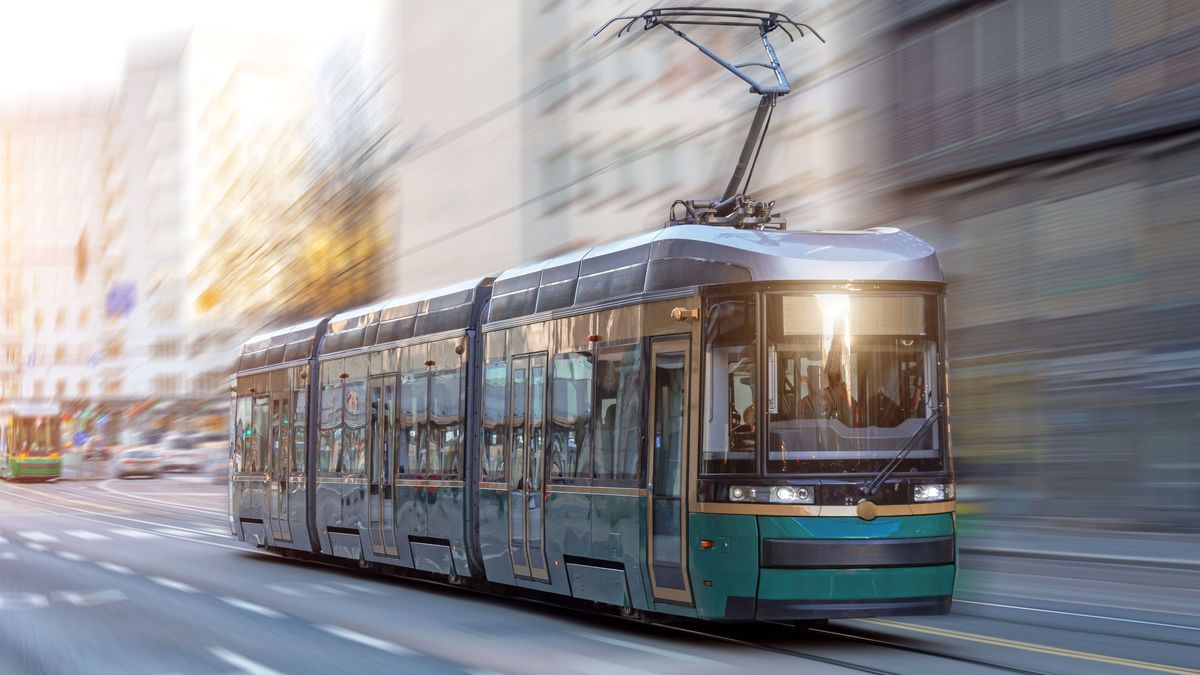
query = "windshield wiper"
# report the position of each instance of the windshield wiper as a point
(906, 447)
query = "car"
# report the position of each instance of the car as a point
(142, 461)
(182, 453)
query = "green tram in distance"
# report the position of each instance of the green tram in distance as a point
(700, 421)
(30, 441)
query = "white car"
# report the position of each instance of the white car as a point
(181, 453)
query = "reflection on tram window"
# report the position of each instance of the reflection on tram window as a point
(495, 419)
(571, 417)
(731, 426)
(619, 413)
(414, 389)
(243, 430)
(445, 424)
(354, 435)
(850, 380)
(331, 425)
(258, 448)
(299, 428)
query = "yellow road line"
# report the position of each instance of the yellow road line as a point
(94, 505)
(1030, 647)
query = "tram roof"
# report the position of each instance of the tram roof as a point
(698, 255)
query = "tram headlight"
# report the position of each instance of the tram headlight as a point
(933, 492)
(792, 494)
(739, 493)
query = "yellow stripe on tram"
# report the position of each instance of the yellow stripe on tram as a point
(81, 502)
(1030, 647)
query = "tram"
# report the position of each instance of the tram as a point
(30, 441)
(721, 419)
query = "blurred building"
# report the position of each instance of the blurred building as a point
(1058, 146)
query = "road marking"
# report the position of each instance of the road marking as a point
(1085, 616)
(669, 653)
(251, 607)
(37, 536)
(1030, 647)
(242, 663)
(88, 599)
(3, 540)
(86, 535)
(104, 485)
(68, 555)
(36, 547)
(347, 634)
(171, 583)
(8, 555)
(170, 531)
(114, 567)
(95, 505)
(135, 534)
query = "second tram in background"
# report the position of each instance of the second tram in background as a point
(30, 442)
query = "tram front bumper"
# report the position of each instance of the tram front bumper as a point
(801, 568)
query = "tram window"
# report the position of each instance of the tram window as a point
(243, 432)
(445, 423)
(413, 449)
(618, 413)
(331, 425)
(853, 379)
(731, 425)
(299, 429)
(354, 424)
(258, 449)
(571, 417)
(495, 419)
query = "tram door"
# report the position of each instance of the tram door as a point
(379, 499)
(279, 465)
(526, 463)
(668, 453)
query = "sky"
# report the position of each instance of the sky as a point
(62, 45)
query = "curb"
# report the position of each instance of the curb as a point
(1164, 563)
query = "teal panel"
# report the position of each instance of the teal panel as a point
(856, 584)
(618, 534)
(731, 564)
(889, 527)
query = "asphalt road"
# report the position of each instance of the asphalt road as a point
(142, 577)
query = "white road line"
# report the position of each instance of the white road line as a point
(68, 555)
(251, 607)
(38, 536)
(36, 547)
(171, 583)
(8, 555)
(242, 663)
(669, 653)
(103, 485)
(3, 540)
(86, 535)
(347, 634)
(190, 534)
(114, 567)
(135, 534)
(1084, 616)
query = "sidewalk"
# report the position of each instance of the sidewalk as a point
(979, 535)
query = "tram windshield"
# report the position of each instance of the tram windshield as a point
(847, 380)
(35, 436)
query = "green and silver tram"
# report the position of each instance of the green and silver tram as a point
(30, 442)
(703, 421)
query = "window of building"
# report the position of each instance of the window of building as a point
(571, 417)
